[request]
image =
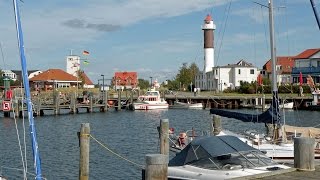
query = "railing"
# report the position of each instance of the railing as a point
(305, 70)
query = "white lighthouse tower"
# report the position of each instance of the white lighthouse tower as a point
(208, 28)
(73, 64)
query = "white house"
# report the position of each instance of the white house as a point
(229, 76)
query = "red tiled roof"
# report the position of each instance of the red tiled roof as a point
(54, 74)
(307, 53)
(123, 78)
(286, 62)
(86, 79)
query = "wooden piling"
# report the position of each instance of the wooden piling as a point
(216, 125)
(304, 153)
(106, 101)
(156, 167)
(84, 151)
(91, 104)
(119, 100)
(56, 104)
(73, 102)
(164, 136)
(263, 102)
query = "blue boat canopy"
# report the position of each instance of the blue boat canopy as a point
(207, 147)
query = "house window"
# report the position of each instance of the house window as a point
(216, 71)
(251, 71)
(239, 71)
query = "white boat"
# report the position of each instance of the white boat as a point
(219, 157)
(288, 105)
(151, 100)
(187, 105)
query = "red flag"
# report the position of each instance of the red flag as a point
(259, 80)
(85, 53)
(300, 79)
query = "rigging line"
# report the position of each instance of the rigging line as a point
(18, 136)
(4, 64)
(287, 26)
(116, 154)
(265, 31)
(24, 129)
(224, 29)
(218, 35)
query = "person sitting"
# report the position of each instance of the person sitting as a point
(182, 140)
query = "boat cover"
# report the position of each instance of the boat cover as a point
(212, 146)
(271, 116)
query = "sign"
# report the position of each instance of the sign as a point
(6, 105)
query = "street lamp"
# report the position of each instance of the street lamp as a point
(150, 81)
(103, 88)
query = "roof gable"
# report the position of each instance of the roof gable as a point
(286, 63)
(54, 74)
(307, 53)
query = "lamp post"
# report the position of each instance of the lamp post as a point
(103, 88)
(150, 81)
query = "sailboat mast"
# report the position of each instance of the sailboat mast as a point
(275, 99)
(36, 155)
(272, 47)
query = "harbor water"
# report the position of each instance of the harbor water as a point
(132, 134)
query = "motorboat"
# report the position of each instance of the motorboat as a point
(219, 157)
(150, 100)
(186, 105)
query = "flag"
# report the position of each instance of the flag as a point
(300, 79)
(85, 53)
(86, 62)
(259, 79)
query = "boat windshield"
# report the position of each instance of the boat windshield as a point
(243, 160)
(150, 93)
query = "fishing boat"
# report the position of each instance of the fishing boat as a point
(36, 155)
(288, 105)
(219, 157)
(151, 100)
(278, 141)
(185, 105)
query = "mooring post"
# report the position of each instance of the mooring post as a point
(57, 103)
(304, 153)
(216, 125)
(106, 100)
(263, 102)
(91, 104)
(119, 100)
(164, 136)
(38, 106)
(84, 151)
(156, 167)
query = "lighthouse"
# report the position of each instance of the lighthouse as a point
(208, 28)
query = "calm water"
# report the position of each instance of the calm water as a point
(132, 134)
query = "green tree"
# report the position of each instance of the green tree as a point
(143, 84)
(186, 75)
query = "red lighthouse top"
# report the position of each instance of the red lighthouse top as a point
(208, 18)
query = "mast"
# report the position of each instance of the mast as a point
(275, 98)
(315, 12)
(36, 155)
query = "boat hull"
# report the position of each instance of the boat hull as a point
(181, 105)
(192, 172)
(146, 106)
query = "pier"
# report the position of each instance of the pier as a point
(72, 103)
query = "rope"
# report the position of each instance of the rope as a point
(17, 169)
(20, 147)
(116, 154)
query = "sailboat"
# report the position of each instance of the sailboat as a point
(35, 150)
(276, 143)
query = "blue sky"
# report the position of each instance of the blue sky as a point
(152, 37)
